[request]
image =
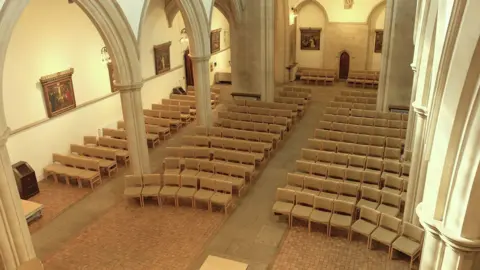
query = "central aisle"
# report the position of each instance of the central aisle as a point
(252, 234)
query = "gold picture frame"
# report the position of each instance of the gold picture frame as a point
(162, 57)
(58, 92)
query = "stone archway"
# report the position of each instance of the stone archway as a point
(17, 248)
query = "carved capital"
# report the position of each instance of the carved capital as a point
(419, 109)
(436, 228)
(129, 87)
(4, 136)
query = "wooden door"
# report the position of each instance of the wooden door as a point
(344, 65)
(188, 68)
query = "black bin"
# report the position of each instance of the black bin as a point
(26, 180)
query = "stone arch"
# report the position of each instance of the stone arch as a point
(111, 25)
(375, 10)
(303, 3)
(374, 13)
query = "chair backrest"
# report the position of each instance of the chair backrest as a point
(223, 187)
(191, 164)
(371, 194)
(90, 140)
(336, 172)
(343, 207)
(323, 204)
(133, 180)
(370, 215)
(152, 179)
(171, 180)
(413, 232)
(285, 195)
(390, 223)
(304, 198)
(394, 182)
(172, 163)
(207, 184)
(371, 177)
(319, 170)
(348, 189)
(391, 199)
(295, 179)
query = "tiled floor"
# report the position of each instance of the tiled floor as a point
(55, 199)
(129, 237)
(301, 250)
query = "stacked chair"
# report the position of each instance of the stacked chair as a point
(351, 177)
(364, 79)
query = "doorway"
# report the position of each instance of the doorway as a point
(188, 68)
(344, 65)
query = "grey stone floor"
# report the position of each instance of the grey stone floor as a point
(251, 234)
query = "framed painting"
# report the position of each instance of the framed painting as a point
(215, 40)
(58, 92)
(111, 75)
(310, 39)
(378, 41)
(162, 57)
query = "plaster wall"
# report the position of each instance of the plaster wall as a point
(220, 61)
(133, 12)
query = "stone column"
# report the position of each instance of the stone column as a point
(411, 115)
(15, 241)
(132, 109)
(202, 90)
(396, 81)
(268, 48)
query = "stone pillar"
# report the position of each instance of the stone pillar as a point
(411, 115)
(132, 109)
(268, 50)
(202, 90)
(15, 241)
(396, 76)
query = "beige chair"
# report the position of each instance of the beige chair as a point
(133, 187)
(312, 185)
(348, 192)
(188, 188)
(391, 167)
(403, 195)
(336, 173)
(363, 139)
(346, 148)
(191, 168)
(205, 192)
(321, 213)
(324, 157)
(371, 179)
(410, 242)
(377, 141)
(321, 134)
(360, 150)
(374, 164)
(302, 167)
(394, 142)
(309, 155)
(390, 204)
(151, 186)
(357, 162)
(353, 176)
(171, 165)
(294, 182)
(336, 136)
(392, 153)
(223, 195)
(303, 206)
(343, 214)
(319, 171)
(171, 185)
(393, 184)
(387, 231)
(329, 189)
(350, 138)
(370, 198)
(375, 151)
(355, 120)
(354, 129)
(285, 201)
(340, 160)
(368, 222)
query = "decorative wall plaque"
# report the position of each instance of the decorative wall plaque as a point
(378, 41)
(58, 92)
(215, 40)
(162, 57)
(310, 38)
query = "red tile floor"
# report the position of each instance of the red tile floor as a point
(55, 198)
(130, 237)
(303, 251)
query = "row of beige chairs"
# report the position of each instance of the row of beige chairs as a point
(184, 111)
(357, 149)
(358, 160)
(106, 158)
(362, 129)
(361, 100)
(292, 89)
(211, 191)
(296, 109)
(356, 93)
(350, 105)
(384, 201)
(304, 70)
(375, 225)
(152, 139)
(200, 169)
(307, 173)
(175, 102)
(301, 102)
(364, 81)
(324, 77)
(156, 126)
(119, 146)
(176, 119)
(253, 126)
(74, 168)
(366, 113)
(353, 138)
(261, 111)
(189, 98)
(270, 140)
(373, 174)
(256, 148)
(277, 120)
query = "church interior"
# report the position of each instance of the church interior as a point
(239, 134)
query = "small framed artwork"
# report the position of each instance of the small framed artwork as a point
(310, 39)
(378, 41)
(162, 57)
(215, 40)
(111, 75)
(58, 92)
